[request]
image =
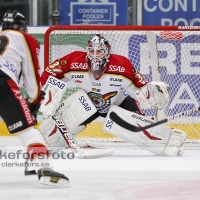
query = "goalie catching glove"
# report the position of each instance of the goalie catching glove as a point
(154, 94)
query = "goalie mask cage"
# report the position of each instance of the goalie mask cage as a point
(170, 54)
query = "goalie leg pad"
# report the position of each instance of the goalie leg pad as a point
(175, 145)
(154, 139)
(74, 110)
(77, 108)
(52, 135)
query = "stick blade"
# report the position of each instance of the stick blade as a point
(88, 153)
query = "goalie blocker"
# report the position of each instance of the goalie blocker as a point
(160, 140)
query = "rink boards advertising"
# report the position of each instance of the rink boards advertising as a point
(171, 12)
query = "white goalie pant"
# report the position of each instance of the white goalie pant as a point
(160, 140)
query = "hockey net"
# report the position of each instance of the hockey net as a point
(170, 54)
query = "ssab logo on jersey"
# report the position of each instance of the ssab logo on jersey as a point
(115, 68)
(77, 65)
(97, 84)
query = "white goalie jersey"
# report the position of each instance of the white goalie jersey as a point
(119, 80)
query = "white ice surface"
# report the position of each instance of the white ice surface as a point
(130, 174)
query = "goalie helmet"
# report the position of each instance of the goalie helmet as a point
(98, 53)
(14, 20)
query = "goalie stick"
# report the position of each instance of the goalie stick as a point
(65, 133)
(114, 117)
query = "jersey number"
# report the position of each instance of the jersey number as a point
(4, 41)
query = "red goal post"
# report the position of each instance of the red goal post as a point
(160, 53)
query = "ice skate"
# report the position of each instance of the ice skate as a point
(49, 177)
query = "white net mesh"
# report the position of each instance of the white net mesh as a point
(176, 57)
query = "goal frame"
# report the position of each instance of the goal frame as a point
(108, 28)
